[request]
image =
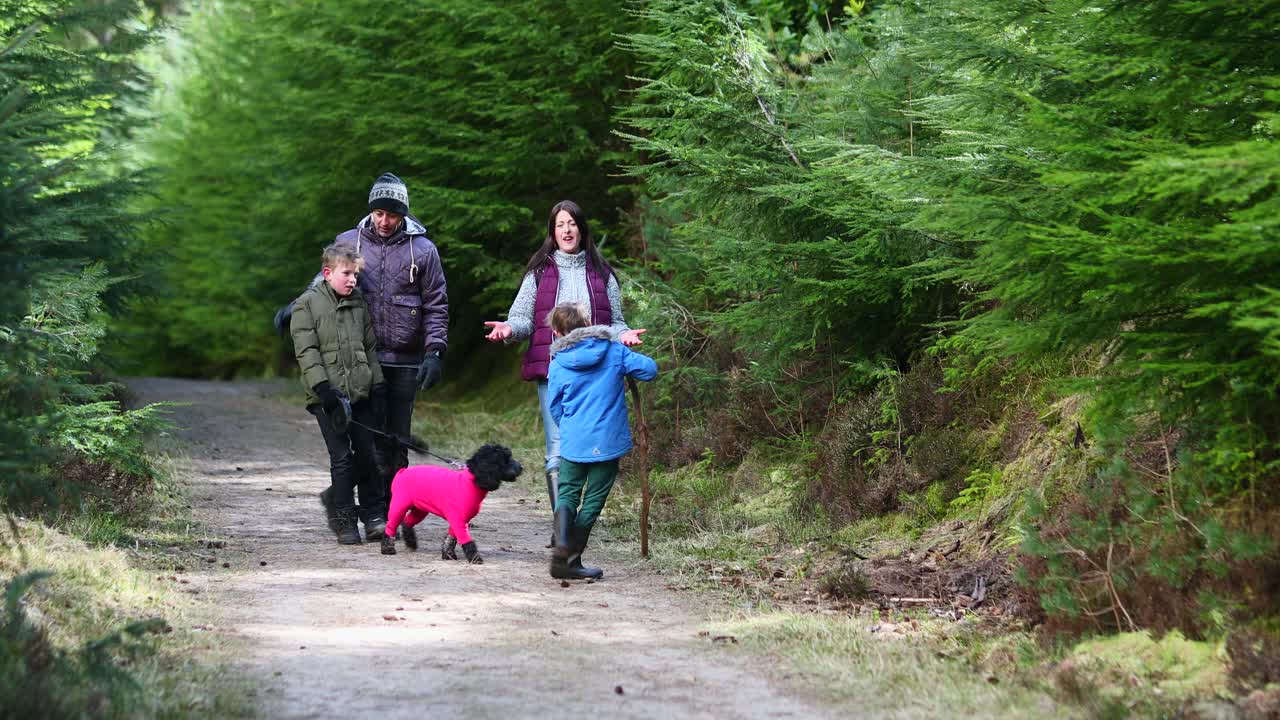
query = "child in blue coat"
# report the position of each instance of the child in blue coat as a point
(585, 388)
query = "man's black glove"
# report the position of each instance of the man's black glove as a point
(430, 371)
(472, 552)
(378, 405)
(449, 548)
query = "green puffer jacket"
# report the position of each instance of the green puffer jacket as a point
(333, 339)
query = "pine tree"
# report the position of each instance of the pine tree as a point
(61, 209)
(1022, 182)
(491, 112)
(1153, 126)
(784, 227)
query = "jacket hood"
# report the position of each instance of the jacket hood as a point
(582, 348)
(411, 225)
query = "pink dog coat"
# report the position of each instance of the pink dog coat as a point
(421, 490)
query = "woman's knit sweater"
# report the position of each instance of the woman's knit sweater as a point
(573, 288)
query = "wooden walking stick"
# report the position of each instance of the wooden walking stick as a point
(642, 465)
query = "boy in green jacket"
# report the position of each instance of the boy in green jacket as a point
(336, 349)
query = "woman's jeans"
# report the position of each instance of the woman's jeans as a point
(549, 428)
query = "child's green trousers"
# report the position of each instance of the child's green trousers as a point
(590, 482)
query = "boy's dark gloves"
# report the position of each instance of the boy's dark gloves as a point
(449, 548)
(473, 553)
(430, 371)
(330, 399)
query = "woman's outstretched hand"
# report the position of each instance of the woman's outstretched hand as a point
(631, 338)
(497, 330)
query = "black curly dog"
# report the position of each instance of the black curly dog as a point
(455, 495)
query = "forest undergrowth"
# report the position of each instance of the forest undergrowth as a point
(99, 619)
(936, 574)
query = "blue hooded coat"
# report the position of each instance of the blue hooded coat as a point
(587, 394)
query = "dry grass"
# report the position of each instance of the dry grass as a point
(107, 573)
(889, 668)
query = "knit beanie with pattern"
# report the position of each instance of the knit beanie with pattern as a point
(389, 193)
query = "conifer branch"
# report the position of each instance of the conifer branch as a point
(743, 58)
(21, 39)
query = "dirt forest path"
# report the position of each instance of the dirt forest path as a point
(336, 631)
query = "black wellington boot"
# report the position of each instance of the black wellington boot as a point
(577, 570)
(563, 535)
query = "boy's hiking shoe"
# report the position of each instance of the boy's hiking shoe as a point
(410, 537)
(347, 530)
(388, 545)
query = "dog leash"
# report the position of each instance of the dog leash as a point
(455, 464)
(349, 417)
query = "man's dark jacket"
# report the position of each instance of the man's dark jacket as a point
(403, 285)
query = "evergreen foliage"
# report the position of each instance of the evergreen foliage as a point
(490, 111)
(63, 223)
(832, 210)
(787, 237)
(1031, 181)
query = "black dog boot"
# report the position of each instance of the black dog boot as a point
(410, 536)
(449, 548)
(330, 512)
(347, 527)
(576, 569)
(564, 533)
(388, 545)
(472, 553)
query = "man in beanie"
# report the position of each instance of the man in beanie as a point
(403, 285)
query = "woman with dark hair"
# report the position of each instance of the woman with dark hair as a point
(567, 268)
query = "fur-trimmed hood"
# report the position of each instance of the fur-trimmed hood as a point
(584, 347)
